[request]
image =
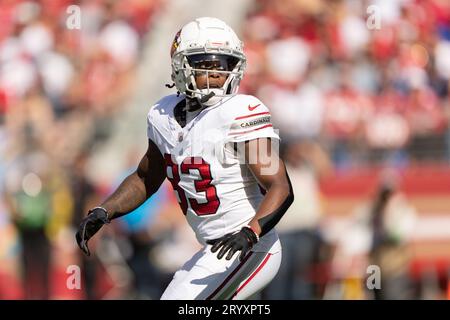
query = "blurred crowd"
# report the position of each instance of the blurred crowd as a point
(343, 92)
(351, 84)
(368, 80)
(66, 69)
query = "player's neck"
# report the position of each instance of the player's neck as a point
(193, 105)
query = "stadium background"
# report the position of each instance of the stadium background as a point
(363, 113)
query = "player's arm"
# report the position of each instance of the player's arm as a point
(131, 193)
(138, 186)
(271, 174)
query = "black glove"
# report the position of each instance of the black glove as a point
(243, 240)
(95, 219)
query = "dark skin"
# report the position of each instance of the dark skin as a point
(275, 183)
(138, 186)
(150, 174)
(142, 183)
(215, 79)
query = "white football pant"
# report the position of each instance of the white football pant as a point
(205, 277)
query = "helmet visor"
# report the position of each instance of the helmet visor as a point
(212, 62)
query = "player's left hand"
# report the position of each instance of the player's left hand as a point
(243, 240)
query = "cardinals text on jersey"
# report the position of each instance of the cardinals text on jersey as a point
(215, 189)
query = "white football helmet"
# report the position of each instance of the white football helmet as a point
(195, 46)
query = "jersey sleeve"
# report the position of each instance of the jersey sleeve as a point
(250, 121)
(150, 127)
(156, 127)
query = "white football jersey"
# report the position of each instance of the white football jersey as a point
(214, 187)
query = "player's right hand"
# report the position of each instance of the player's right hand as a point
(95, 219)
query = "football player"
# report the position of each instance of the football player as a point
(218, 150)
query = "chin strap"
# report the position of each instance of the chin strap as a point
(207, 97)
(194, 104)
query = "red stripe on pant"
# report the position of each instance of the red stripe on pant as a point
(227, 279)
(252, 276)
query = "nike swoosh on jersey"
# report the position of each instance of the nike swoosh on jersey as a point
(254, 107)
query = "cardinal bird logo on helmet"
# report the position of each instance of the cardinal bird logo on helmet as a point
(175, 43)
